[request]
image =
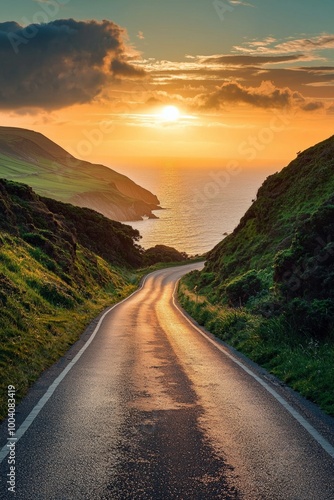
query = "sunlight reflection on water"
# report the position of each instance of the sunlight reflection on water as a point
(200, 204)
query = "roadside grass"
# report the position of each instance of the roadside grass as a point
(303, 363)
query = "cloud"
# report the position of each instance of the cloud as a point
(313, 106)
(262, 43)
(211, 71)
(124, 69)
(307, 44)
(61, 63)
(329, 83)
(9, 27)
(265, 96)
(240, 2)
(141, 35)
(249, 60)
(317, 69)
(304, 45)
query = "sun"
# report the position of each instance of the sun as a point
(170, 114)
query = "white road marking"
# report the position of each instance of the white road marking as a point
(302, 421)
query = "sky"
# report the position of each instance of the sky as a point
(191, 82)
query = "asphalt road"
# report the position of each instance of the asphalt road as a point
(148, 407)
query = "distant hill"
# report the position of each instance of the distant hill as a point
(31, 158)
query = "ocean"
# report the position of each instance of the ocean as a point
(200, 205)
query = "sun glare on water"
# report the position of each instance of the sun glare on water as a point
(170, 114)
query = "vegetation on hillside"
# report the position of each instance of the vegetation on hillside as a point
(272, 279)
(163, 253)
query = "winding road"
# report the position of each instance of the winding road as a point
(148, 406)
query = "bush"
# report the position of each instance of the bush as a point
(163, 253)
(206, 279)
(312, 318)
(242, 288)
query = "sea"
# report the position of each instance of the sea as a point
(200, 206)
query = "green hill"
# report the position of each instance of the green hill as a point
(284, 204)
(59, 267)
(268, 287)
(285, 240)
(31, 158)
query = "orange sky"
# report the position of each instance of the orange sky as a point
(141, 137)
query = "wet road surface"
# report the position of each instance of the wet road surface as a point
(154, 410)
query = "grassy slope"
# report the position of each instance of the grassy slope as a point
(31, 158)
(268, 288)
(284, 201)
(51, 282)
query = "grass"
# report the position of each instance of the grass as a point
(303, 363)
(48, 176)
(283, 203)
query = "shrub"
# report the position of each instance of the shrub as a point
(313, 318)
(163, 253)
(242, 288)
(206, 279)
(35, 239)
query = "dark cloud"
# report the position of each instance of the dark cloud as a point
(122, 68)
(9, 27)
(246, 60)
(313, 106)
(316, 69)
(265, 96)
(60, 63)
